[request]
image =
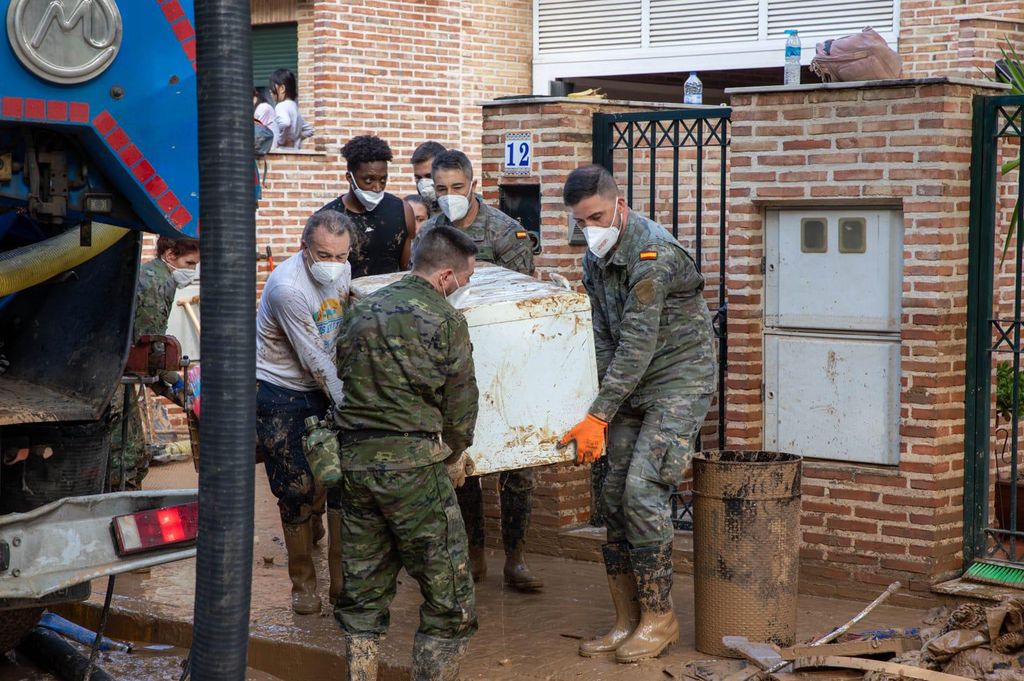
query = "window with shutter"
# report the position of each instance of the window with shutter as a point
(568, 25)
(602, 38)
(675, 22)
(831, 18)
(274, 47)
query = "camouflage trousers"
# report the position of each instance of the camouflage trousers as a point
(280, 424)
(516, 503)
(134, 451)
(649, 451)
(410, 519)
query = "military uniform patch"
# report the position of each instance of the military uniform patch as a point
(644, 291)
(520, 235)
(648, 255)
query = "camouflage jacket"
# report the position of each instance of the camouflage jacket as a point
(154, 297)
(405, 359)
(501, 239)
(652, 328)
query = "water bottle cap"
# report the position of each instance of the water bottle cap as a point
(693, 73)
(791, 31)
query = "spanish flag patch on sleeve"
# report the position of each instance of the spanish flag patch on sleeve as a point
(520, 235)
(648, 255)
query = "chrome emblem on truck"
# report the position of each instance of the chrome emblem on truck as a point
(64, 41)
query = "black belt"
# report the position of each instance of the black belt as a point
(354, 436)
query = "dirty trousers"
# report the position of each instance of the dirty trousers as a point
(280, 417)
(395, 519)
(516, 502)
(135, 452)
(649, 451)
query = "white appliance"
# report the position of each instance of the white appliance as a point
(833, 290)
(533, 348)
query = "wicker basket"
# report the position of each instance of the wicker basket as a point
(746, 541)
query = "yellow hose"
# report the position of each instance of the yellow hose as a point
(29, 265)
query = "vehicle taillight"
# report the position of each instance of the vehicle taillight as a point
(156, 529)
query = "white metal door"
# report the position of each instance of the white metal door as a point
(833, 397)
(834, 269)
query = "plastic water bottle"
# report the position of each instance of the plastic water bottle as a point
(693, 90)
(792, 58)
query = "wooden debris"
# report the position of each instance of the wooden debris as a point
(819, 675)
(904, 671)
(884, 646)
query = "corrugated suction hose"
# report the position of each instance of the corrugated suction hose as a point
(29, 265)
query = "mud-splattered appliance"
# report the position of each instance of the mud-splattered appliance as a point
(533, 349)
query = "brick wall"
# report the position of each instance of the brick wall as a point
(908, 146)
(407, 72)
(956, 37)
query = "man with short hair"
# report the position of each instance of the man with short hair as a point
(296, 330)
(504, 242)
(407, 417)
(384, 224)
(656, 361)
(421, 161)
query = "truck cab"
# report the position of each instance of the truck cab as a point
(98, 146)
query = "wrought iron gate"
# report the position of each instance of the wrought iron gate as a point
(994, 336)
(672, 165)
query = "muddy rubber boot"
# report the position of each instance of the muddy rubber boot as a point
(517, 573)
(298, 539)
(622, 586)
(658, 628)
(437, 659)
(334, 555)
(478, 562)
(361, 655)
(319, 506)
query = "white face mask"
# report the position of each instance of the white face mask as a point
(425, 188)
(460, 296)
(326, 273)
(182, 276)
(601, 240)
(454, 206)
(368, 199)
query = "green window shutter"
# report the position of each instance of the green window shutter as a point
(274, 47)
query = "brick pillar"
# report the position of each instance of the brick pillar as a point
(906, 145)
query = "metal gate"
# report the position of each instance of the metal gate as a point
(672, 165)
(991, 441)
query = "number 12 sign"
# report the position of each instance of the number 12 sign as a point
(518, 153)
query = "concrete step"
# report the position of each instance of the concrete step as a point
(957, 591)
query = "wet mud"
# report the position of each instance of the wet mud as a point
(521, 637)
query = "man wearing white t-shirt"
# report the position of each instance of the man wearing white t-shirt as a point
(296, 330)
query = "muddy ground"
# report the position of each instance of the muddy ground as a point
(521, 636)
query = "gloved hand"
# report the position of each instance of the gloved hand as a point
(459, 468)
(590, 436)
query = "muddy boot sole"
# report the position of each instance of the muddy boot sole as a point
(649, 655)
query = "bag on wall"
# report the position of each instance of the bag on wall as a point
(861, 56)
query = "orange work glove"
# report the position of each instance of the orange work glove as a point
(590, 436)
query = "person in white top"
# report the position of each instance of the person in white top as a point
(292, 128)
(297, 327)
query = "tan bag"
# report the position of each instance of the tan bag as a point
(861, 56)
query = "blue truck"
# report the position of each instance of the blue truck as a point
(98, 145)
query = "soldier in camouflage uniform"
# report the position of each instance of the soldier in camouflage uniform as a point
(174, 267)
(656, 361)
(504, 242)
(409, 408)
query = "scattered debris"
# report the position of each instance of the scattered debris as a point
(971, 642)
